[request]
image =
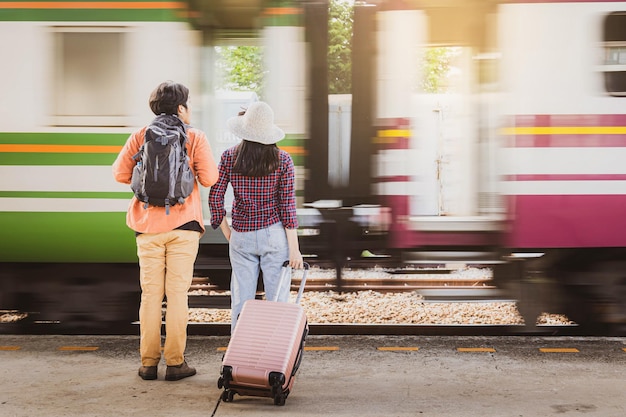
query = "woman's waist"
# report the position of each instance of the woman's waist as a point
(253, 224)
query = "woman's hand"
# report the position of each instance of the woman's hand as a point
(225, 229)
(295, 259)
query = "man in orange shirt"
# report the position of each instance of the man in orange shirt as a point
(167, 243)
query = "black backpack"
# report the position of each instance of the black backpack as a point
(162, 176)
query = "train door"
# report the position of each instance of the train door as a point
(445, 135)
(435, 156)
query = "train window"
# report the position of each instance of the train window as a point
(615, 54)
(441, 69)
(89, 77)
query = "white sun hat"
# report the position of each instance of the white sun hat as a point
(256, 125)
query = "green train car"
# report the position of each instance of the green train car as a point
(75, 83)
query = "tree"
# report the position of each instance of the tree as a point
(240, 68)
(436, 68)
(341, 19)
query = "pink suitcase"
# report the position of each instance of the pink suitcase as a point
(265, 349)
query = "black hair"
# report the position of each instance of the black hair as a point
(256, 159)
(167, 97)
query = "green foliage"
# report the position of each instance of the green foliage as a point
(240, 68)
(341, 18)
(436, 65)
(436, 69)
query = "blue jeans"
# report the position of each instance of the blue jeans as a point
(265, 250)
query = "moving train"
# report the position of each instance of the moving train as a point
(518, 165)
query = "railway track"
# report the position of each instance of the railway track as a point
(360, 284)
(440, 286)
(437, 285)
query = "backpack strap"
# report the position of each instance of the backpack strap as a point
(137, 156)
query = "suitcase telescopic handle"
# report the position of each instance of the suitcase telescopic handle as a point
(286, 264)
(302, 281)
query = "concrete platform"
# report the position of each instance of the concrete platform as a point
(60, 376)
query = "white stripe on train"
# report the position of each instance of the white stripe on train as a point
(63, 205)
(597, 187)
(72, 178)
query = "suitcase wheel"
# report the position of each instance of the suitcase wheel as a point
(228, 395)
(280, 399)
(225, 378)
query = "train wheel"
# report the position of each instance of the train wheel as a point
(578, 306)
(529, 302)
(596, 298)
(613, 295)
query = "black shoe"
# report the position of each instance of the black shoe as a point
(174, 373)
(148, 372)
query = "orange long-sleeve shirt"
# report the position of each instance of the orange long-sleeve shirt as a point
(153, 219)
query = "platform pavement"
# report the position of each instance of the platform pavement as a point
(62, 376)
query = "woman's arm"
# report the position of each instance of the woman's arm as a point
(295, 257)
(218, 191)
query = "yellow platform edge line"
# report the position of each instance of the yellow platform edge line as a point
(221, 349)
(559, 350)
(10, 347)
(79, 348)
(477, 349)
(398, 348)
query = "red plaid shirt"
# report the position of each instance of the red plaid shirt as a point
(259, 201)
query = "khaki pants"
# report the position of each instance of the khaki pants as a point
(166, 262)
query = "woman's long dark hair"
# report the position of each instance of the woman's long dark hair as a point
(255, 159)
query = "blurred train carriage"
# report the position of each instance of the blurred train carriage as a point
(75, 82)
(519, 165)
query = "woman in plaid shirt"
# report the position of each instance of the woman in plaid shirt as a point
(264, 222)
